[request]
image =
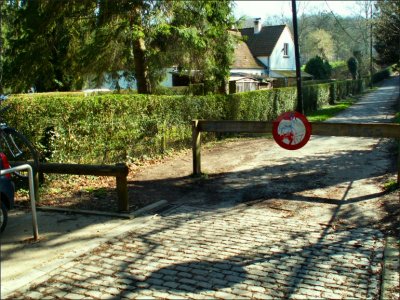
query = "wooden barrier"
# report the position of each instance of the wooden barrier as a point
(119, 171)
(374, 130)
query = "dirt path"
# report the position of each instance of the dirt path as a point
(335, 180)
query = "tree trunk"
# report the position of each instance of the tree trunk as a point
(139, 53)
(141, 69)
(1, 46)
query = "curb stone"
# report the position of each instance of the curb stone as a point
(157, 205)
(390, 273)
(42, 274)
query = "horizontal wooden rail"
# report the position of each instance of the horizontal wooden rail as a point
(120, 171)
(372, 130)
(79, 169)
(386, 130)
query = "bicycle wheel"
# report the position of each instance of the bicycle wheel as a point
(18, 149)
(3, 217)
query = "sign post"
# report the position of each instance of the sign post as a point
(300, 107)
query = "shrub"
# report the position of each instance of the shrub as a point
(193, 89)
(315, 96)
(319, 68)
(122, 127)
(111, 128)
(352, 65)
(381, 75)
(260, 105)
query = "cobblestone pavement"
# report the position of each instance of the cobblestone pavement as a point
(225, 253)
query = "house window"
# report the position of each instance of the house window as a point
(286, 49)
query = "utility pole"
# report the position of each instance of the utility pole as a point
(300, 107)
(1, 46)
(371, 70)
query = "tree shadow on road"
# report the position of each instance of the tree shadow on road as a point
(203, 253)
(288, 181)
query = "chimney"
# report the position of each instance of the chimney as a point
(257, 25)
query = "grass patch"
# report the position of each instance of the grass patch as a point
(397, 118)
(390, 186)
(329, 111)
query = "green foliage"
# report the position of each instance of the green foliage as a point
(319, 43)
(60, 45)
(260, 105)
(391, 186)
(397, 118)
(327, 112)
(192, 89)
(319, 68)
(338, 64)
(41, 44)
(315, 96)
(352, 65)
(311, 82)
(340, 70)
(381, 75)
(108, 128)
(386, 31)
(345, 33)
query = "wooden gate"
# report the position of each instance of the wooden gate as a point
(374, 130)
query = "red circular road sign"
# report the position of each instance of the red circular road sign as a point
(291, 130)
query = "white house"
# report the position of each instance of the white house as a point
(265, 50)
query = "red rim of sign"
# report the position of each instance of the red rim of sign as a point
(282, 139)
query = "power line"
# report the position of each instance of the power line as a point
(337, 21)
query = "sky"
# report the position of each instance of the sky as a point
(264, 8)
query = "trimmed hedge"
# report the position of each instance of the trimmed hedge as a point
(116, 127)
(260, 105)
(110, 128)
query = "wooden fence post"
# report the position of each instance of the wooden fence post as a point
(398, 164)
(122, 189)
(196, 148)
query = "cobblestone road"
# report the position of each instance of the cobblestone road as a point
(224, 253)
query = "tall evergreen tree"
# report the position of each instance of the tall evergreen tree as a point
(52, 45)
(42, 43)
(387, 31)
(319, 68)
(143, 37)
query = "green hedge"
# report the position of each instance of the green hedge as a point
(110, 128)
(260, 105)
(117, 127)
(381, 75)
(193, 89)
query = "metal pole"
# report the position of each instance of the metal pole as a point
(370, 48)
(300, 107)
(31, 194)
(1, 46)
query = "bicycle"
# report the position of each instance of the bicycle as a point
(15, 145)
